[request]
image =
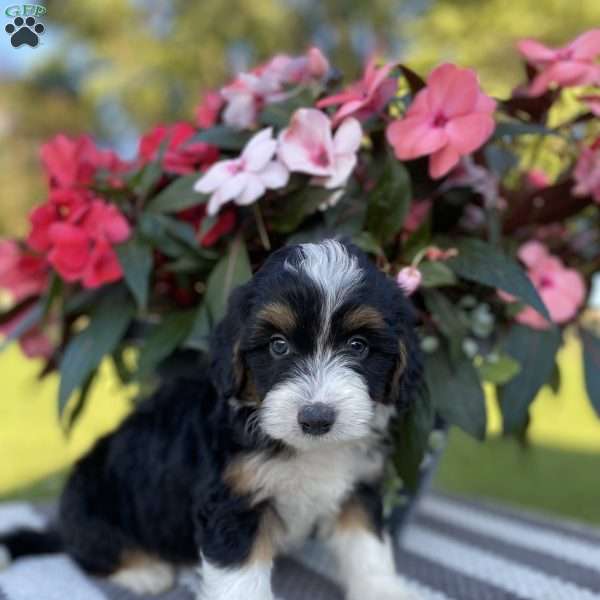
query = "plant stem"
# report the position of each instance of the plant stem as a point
(262, 230)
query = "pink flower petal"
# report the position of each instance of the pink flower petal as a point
(413, 137)
(587, 45)
(452, 91)
(344, 165)
(259, 150)
(533, 253)
(274, 175)
(443, 161)
(252, 191)
(215, 177)
(348, 137)
(469, 132)
(535, 52)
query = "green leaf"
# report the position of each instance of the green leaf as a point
(201, 328)
(80, 402)
(295, 207)
(456, 393)
(450, 319)
(535, 350)
(499, 369)
(367, 243)
(108, 323)
(389, 201)
(177, 196)
(516, 128)
(135, 257)
(163, 340)
(591, 360)
(487, 264)
(231, 271)
(411, 440)
(436, 274)
(223, 137)
(32, 318)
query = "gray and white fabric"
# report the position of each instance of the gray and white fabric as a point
(452, 549)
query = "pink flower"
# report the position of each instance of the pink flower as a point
(248, 94)
(207, 112)
(366, 97)
(561, 289)
(435, 254)
(448, 119)
(587, 172)
(409, 279)
(22, 274)
(308, 146)
(72, 162)
(537, 179)
(572, 65)
(245, 179)
(181, 155)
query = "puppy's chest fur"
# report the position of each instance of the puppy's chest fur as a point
(307, 488)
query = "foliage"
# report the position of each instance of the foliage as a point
(143, 253)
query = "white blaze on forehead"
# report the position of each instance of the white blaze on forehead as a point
(332, 268)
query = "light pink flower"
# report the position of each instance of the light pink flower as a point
(247, 95)
(365, 97)
(409, 279)
(561, 289)
(572, 65)
(245, 179)
(587, 172)
(448, 119)
(308, 146)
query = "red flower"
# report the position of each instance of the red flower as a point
(365, 97)
(225, 223)
(180, 156)
(207, 112)
(22, 274)
(448, 119)
(572, 65)
(72, 162)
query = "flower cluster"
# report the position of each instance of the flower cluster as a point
(446, 188)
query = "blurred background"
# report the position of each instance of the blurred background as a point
(115, 68)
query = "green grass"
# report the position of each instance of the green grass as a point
(542, 478)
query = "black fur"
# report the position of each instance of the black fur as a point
(157, 484)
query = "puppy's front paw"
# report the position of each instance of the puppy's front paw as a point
(382, 587)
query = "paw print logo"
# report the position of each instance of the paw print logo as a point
(24, 31)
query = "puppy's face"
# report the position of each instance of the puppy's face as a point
(324, 345)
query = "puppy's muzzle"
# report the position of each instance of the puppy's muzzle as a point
(317, 418)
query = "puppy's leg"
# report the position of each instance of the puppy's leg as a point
(237, 556)
(364, 553)
(144, 575)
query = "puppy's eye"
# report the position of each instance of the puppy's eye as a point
(358, 346)
(279, 346)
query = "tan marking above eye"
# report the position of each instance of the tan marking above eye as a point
(363, 317)
(279, 315)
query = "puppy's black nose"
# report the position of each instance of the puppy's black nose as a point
(317, 418)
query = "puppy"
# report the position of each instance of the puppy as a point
(284, 438)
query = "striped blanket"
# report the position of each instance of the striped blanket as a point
(452, 549)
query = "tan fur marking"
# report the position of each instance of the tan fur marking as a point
(363, 316)
(270, 531)
(400, 368)
(354, 516)
(279, 316)
(239, 476)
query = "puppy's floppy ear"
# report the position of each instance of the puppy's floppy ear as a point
(407, 378)
(227, 366)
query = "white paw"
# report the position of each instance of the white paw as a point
(5, 558)
(381, 587)
(147, 579)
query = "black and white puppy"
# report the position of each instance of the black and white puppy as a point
(282, 439)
